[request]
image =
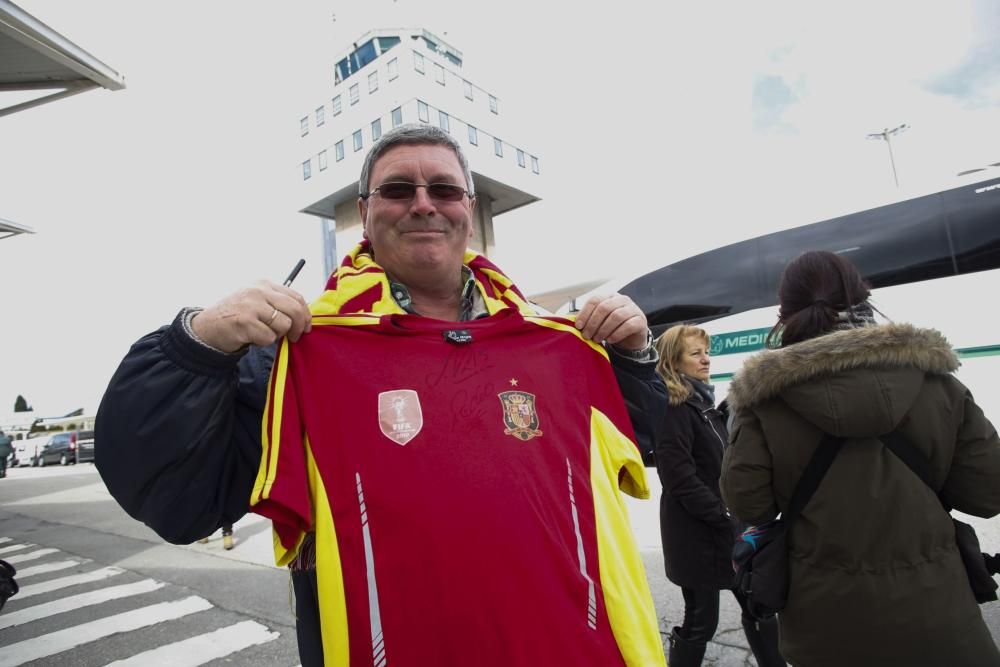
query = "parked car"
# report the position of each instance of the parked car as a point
(84, 446)
(62, 448)
(26, 451)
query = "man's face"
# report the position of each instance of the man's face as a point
(420, 237)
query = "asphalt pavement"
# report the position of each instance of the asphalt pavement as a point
(135, 600)
(99, 588)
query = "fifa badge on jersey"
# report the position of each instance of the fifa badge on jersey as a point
(399, 415)
(519, 414)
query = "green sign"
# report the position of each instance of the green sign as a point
(736, 342)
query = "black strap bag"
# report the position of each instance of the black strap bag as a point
(984, 588)
(760, 555)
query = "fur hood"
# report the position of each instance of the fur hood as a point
(768, 373)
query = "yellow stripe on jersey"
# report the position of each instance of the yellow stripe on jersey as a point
(626, 592)
(330, 577)
(270, 429)
(283, 556)
(566, 328)
(277, 414)
(345, 320)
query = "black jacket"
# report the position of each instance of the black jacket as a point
(178, 430)
(695, 527)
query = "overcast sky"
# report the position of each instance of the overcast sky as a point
(663, 130)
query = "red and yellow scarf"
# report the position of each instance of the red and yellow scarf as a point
(360, 285)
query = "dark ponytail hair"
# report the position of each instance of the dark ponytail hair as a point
(814, 287)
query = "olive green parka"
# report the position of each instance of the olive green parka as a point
(876, 578)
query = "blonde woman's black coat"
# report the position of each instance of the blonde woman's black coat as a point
(696, 530)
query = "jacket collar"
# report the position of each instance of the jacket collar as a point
(766, 374)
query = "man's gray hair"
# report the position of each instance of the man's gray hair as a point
(409, 135)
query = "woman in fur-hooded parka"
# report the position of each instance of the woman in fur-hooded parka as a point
(876, 578)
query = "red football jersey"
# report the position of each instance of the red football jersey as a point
(462, 481)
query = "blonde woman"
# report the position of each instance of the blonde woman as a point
(696, 529)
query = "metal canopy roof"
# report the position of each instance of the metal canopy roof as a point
(33, 56)
(8, 228)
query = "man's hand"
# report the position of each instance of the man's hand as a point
(258, 315)
(614, 319)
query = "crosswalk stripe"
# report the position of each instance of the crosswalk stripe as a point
(63, 582)
(73, 602)
(64, 640)
(34, 555)
(203, 648)
(16, 547)
(44, 568)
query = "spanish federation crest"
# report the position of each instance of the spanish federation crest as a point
(519, 414)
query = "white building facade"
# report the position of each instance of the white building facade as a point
(396, 76)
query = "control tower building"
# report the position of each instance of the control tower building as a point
(395, 76)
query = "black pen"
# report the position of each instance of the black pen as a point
(295, 272)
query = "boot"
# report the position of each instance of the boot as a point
(762, 636)
(227, 539)
(684, 653)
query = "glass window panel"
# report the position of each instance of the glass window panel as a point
(468, 90)
(443, 121)
(439, 74)
(336, 105)
(306, 170)
(493, 105)
(322, 160)
(498, 146)
(393, 68)
(418, 62)
(357, 140)
(355, 94)
(338, 151)
(422, 111)
(534, 164)
(386, 43)
(376, 129)
(397, 116)
(363, 55)
(341, 70)
(304, 126)
(373, 82)
(520, 158)
(320, 116)
(473, 136)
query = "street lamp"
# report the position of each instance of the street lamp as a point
(884, 135)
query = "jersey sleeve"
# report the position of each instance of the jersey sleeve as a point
(611, 430)
(281, 492)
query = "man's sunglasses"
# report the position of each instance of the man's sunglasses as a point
(401, 190)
